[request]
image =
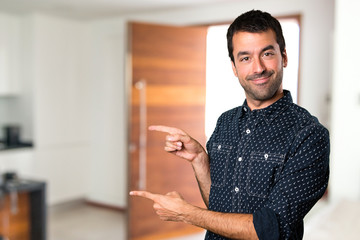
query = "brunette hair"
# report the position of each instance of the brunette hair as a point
(254, 21)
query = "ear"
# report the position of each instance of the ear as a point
(285, 58)
(234, 68)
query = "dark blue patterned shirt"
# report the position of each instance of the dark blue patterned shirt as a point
(272, 163)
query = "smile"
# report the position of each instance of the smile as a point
(260, 78)
(260, 81)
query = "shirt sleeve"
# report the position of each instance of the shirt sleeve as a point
(302, 182)
(266, 224)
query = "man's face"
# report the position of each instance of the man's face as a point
(258, 64)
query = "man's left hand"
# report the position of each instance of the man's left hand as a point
(169, 207)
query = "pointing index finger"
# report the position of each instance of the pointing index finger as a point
(166, 129)
(144, 194)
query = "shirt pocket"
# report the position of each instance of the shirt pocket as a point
(264, 169)
(219, 161)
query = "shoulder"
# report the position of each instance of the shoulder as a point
(230, 114)
(304, 118)
(225, 124)
(308, 126)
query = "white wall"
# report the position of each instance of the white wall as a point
(61, 106)
(345, 180)
(79, 110)
(108, 181)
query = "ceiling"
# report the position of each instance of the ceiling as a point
(98, 8)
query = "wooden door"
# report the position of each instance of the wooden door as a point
(168, 88)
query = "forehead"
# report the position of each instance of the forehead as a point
(247, 41)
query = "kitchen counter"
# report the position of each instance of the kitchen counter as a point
(4, 147)
(22, 185)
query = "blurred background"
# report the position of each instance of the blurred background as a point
(80, 81)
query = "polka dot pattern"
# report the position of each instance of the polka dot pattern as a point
(273, 159)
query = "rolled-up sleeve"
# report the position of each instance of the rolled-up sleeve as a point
(266, 224)
(302, 182)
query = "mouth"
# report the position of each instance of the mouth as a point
(260, 79)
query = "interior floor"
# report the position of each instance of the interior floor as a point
(79, 221)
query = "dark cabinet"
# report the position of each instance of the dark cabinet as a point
(23, 210)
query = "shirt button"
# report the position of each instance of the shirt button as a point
(245, 109)
(240, 159)
(219, 147)
(237, 189)
(266, 156)
(248, 131)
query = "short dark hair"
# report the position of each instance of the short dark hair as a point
(254, 21)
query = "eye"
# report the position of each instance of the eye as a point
(268, 54)
(244, 59)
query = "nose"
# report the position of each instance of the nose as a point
(258, 65)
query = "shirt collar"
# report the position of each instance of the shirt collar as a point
(271, 112)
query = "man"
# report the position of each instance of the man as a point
(267, 162)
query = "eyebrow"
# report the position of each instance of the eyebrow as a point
(270, 47)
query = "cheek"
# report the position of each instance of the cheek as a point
(241, 72)
(276, 65)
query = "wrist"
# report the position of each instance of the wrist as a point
(190, 212)
(201, 159)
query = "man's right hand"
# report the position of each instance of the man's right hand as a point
(180, 143)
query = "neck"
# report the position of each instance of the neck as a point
(260, 104)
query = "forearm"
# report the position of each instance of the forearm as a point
(230, 225)
(202, 173)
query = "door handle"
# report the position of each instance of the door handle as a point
(141, 86)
